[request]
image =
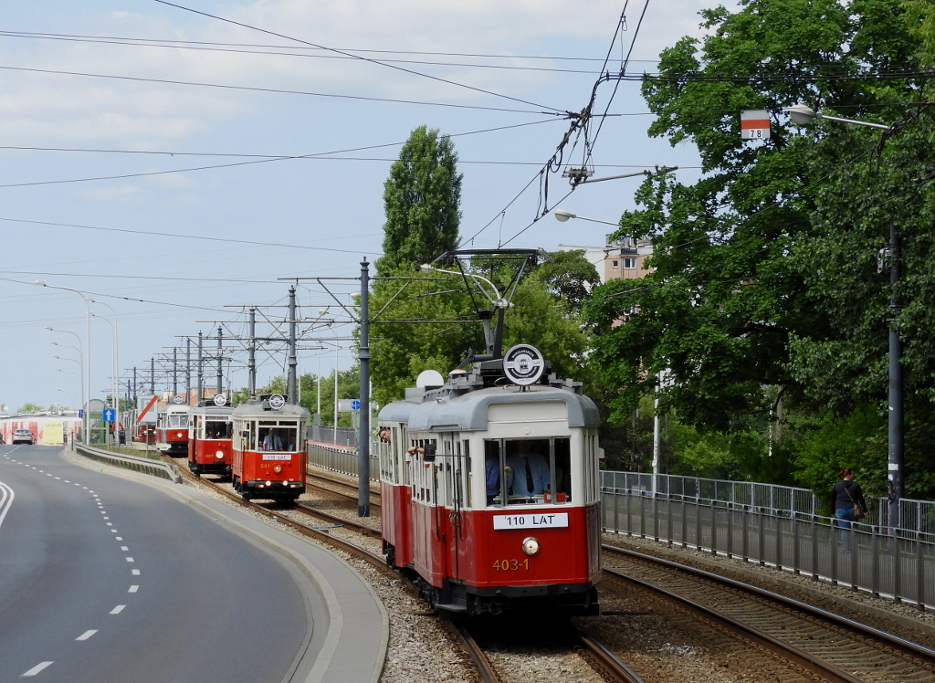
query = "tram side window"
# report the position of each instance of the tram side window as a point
(563, 470)
(493, 473)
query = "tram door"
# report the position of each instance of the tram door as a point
(455, 466)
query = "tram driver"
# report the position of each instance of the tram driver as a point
(272, 442)
(528, 475)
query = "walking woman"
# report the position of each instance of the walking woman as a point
(848, 504)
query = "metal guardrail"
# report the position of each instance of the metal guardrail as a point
(896, 565)
(158, 468)
(341, 460)
(341, 436)
(785, 501)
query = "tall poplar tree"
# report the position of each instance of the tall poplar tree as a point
(422, 199)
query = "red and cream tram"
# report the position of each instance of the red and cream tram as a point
(210, 429)
(172, 428)
(269, 457)
(490, 490)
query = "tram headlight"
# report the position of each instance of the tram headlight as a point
(277, 468)
(269, 483)
(219, 455)
(530, 546)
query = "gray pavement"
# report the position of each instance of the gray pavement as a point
(349, 628)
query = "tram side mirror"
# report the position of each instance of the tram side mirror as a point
(428, 453)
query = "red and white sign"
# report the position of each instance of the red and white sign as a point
(754, 124)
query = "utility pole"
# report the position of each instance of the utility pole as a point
(363, 440)
(293, 361)
(220, 381)
(895, 397)
(251, 355)
(188, 370)
(201, 374)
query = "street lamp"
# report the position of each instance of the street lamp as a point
(803, 115)
(80, 356)
(87, 374)
(116, 401)
(562, 216)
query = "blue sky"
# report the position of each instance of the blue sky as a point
(108, 107)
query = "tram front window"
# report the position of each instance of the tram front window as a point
(531, 471)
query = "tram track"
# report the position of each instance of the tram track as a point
(476, 655)
(339, 487)
(815, 642)
(598, 657)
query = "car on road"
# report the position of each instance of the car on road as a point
(23, 436)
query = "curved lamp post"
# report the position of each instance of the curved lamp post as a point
(87, 377)
(116, 400)
(562, 216)
(803, 115)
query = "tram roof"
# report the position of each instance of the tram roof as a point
(214, 411)
(468, 411)
(255, 410)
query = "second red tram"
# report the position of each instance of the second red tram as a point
(210, 431)
(269, 456)
(172, 429)
(491, 493)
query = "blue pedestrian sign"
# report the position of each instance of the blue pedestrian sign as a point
(355, 404)
(109, 415)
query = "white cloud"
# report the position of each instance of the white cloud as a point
(115, 193)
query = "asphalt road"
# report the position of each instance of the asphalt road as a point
(106, 579)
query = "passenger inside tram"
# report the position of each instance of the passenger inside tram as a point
(528, 474)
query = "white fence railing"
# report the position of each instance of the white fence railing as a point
(915, 515)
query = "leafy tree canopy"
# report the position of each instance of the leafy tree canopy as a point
(732, 292)
(422, 200)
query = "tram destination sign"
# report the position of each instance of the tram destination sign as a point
(531, 520)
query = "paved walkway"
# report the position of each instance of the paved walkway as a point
(350, 629)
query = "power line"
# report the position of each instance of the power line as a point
(172, 235)
(303, 52)
(278, 91)
(358, 57)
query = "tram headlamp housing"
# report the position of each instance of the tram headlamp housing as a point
(530, 546)
(219, 455)
(277, 468)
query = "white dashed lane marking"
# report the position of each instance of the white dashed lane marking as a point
(36, 669)
(134, 588)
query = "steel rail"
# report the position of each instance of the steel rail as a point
(603, 661)
(475, 652)
(905, 647)
(351, 488)
(363, 529)
(784, 650)
(471, 648)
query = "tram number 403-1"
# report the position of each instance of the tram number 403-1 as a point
(510, 565)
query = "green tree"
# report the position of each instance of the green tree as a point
(766, 287)
(429, 322)
(422, 199)
(727, 295)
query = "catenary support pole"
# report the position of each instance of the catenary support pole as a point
(363, 439)
(895, 412)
